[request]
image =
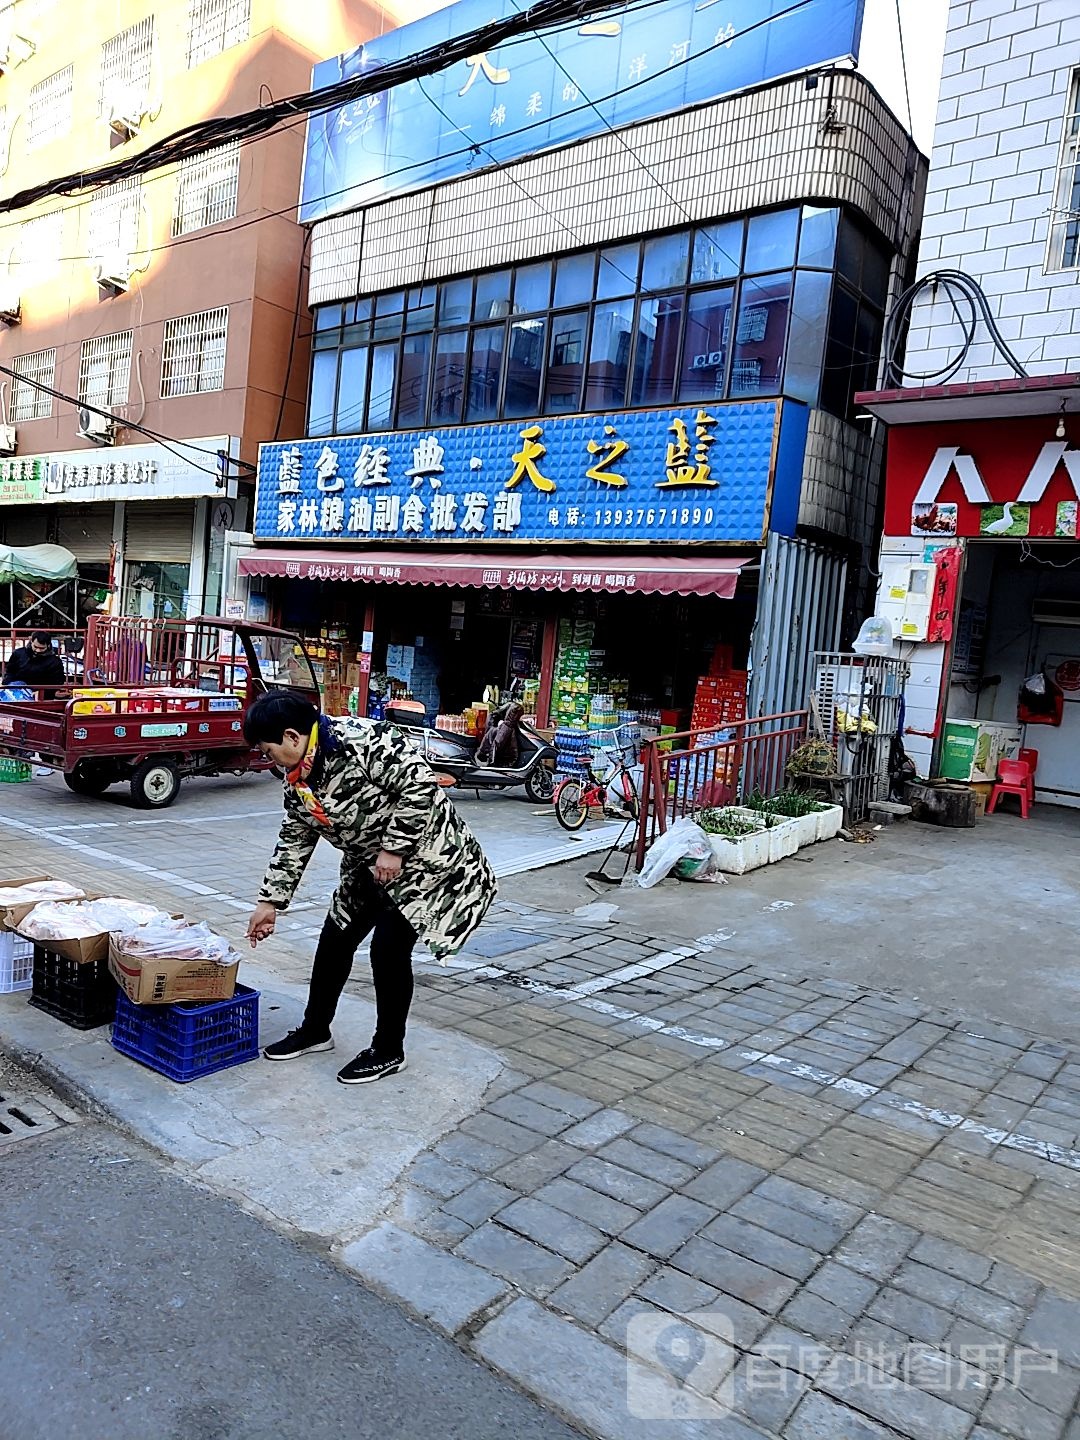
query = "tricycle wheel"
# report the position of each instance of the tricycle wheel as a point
(88, 778)
(155, 784)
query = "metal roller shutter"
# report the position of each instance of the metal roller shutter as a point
(86, 530)
(159, 531)
(25, 525)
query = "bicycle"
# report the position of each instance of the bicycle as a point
(577, 795)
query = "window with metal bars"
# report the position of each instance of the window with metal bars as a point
(113, 227)
(214, 25)
(207, 189)
(105, 369)
(49, 111)
(27, 401)
(1064, 252)
(193, 353)
(126, 61)
(40, 241)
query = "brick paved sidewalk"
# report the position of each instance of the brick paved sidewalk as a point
(877, 1205)
(882, 1204)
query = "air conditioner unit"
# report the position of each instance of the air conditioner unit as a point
(8, 440)
(99, 428)
(127, 110)
(10, 305)
(113, 270)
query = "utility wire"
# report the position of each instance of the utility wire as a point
(203, 134)
(957, 286)
(903, 63)
(168, 441)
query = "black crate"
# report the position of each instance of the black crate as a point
(82, 996)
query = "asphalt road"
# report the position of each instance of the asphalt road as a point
(134, 1305)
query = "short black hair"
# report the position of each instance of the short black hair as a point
(274, 713)
(42, 637)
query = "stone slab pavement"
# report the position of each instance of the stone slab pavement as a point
(687, 1187)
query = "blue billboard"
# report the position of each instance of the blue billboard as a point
(710, 473)
(540, 91)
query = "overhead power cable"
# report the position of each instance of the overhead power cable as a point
(170, 442)
(203, 134)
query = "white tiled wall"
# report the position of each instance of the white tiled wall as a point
(1004, 90)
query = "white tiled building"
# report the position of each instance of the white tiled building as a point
(1002, 186)
(983, 469)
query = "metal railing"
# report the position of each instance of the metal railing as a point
(696, 768)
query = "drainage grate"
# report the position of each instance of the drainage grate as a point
(26, 1115)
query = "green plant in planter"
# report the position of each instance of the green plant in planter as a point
(793, 804)
(731, 827)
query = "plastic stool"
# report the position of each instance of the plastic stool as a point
(1014, 778)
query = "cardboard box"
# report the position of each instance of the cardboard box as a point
(83, 951)
(163, 982)
(983, 789)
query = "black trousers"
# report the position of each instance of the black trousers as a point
(392, 940)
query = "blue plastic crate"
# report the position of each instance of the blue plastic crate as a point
(187, 1041)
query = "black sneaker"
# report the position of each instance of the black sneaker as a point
(298, 1042)
(368, 1066)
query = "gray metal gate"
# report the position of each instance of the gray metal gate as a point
(800, 601)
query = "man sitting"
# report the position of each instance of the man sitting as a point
(36, 664)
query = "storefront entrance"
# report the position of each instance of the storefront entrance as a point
(443, 647)
(1019, 616)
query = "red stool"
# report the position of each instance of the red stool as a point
(1031, 759)
(1014, 778)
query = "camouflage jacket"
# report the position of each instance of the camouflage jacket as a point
(378, 794)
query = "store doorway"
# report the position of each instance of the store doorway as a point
(1019, 615)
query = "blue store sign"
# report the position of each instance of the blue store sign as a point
(717, 473)
(541, 91)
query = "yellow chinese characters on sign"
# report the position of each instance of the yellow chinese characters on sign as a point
(610, 450)
(480, 64)
(687, 461)
(526, 461)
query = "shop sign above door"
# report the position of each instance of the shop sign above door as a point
(127, 472)
(634, 63)
(21, 480)
(701, 473)
(996, 479)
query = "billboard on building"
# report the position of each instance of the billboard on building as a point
(541, 91)
(719, 473)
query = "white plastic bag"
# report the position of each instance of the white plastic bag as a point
(167, 939)
(684, 841)
(82, 920)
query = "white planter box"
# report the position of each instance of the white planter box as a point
(784, 839)
(829, 820)
(738, 857)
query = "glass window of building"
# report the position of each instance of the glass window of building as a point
(566, 363)
(735, 309)
(718, 251)
(770, 240)
(609, 356)
(705, 344)
(760, 336)
(656, 359)
(524, 367)
(485, 373)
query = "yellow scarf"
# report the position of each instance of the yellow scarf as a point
(298, 779)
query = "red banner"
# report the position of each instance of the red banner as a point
(994, 478)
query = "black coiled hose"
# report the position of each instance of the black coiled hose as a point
(960, 290)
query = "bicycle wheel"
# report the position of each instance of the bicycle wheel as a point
(570, 808)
